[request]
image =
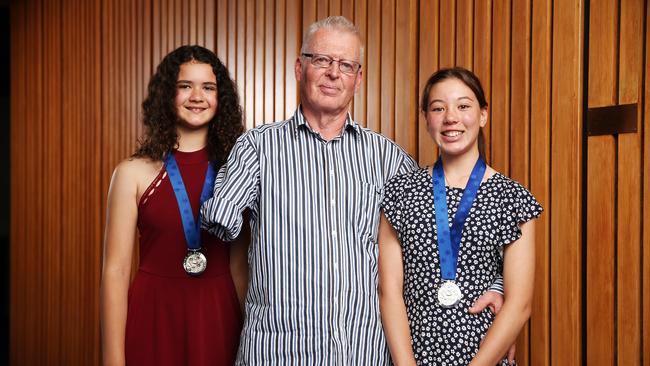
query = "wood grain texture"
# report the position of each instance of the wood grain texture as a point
(499, 127)
(464, 33)
(601, 256)
(405, 77)
(387, 79)
(374, 69)
(360, 98)
(483, 57)
(603, 49)
(519, 159)
(645, 258)
(428, 64)
(566, 178)
(447, 33)
(630, 176)
(540, 166)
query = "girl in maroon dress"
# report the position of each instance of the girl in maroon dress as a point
(170, 315)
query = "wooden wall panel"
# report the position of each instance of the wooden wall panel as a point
(601, 197)
(91, 61)
(268, 98)
(483, 57)
(566, 178)
(248, 80)
(601, 208)
(499, 126)
(406, 76)
(374, 70)
(428, 64)
(259, 78)
(387, 79)
(540, 162)
(519, 160)
(18, 332)
(629, 287)
(279, 60)
(360, 12)
(645, 257)
(53, 316)
(603, 28)
(464, 33)
(447, 33)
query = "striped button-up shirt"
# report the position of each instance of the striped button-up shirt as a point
(312, 297)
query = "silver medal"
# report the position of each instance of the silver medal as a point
(449, 294)
(194, 263)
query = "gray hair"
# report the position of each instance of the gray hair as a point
(336, 22)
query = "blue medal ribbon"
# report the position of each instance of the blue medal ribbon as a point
(449, 239)
(190, 226)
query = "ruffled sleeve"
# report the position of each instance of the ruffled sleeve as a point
(392, 201)
(517, 207)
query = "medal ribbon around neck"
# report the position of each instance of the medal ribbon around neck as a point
(191, 227)
(449, 239)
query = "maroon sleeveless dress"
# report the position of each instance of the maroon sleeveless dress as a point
(173, 318)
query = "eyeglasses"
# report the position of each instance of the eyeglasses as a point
(324, 61)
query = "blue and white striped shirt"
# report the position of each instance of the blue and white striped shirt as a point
(312, 297)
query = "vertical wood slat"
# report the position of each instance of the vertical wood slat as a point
(500, 111)
(322, 10)
(99, 149)
(205, 15)
(248, 102)
(387, 79)
(603, 48)
(645, 259)
(483, 56)
(334, 7)
(240, 49)
(519, 159)
(269, 61)
(601, 196)
(566, 178)
(292, 48)
(447, 33)
(279, 47)
(540, 103)
(21, 24)
(68, 300)
(601, 206)
(219, 31)
(34, 77)
(406, 76)
(233, 39)
(464, 44)
(629, 230)
(428, 63)
(259, 55)
(374, 69)
(309, 14)
(360, 11)
(50, 195)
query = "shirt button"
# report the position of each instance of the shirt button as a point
(334, 232)
(332, 203)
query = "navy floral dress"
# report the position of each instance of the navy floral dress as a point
(443, 336)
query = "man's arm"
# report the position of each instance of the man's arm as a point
(235, 189)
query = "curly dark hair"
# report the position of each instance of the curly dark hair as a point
(159, 111)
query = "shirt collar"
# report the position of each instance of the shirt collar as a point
(301, 122)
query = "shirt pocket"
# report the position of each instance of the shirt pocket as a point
(365, 202)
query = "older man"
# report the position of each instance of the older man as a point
(313, 185)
